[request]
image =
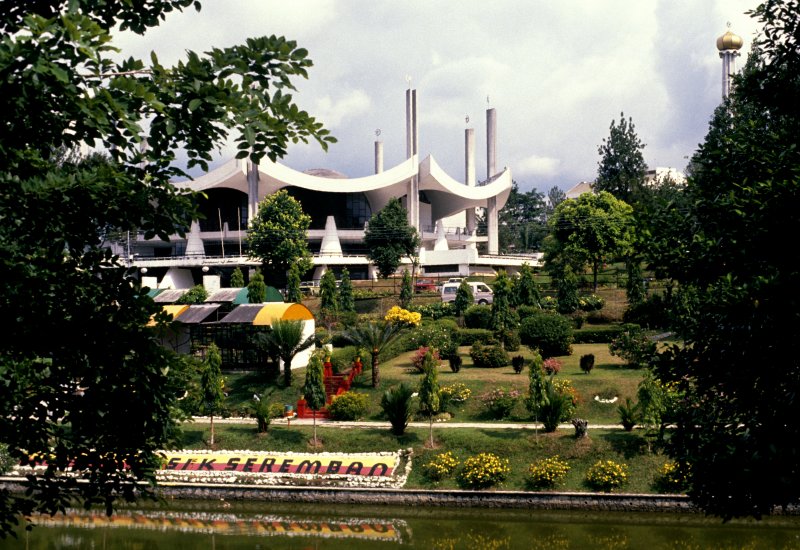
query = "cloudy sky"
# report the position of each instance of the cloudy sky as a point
(557, 73)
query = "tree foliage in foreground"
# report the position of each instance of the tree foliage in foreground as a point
(97, 391)
(737, 426)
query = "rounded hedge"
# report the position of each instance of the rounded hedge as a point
(550, 333)
(478, 316)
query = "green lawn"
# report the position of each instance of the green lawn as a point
(608, 377)
(520, 447)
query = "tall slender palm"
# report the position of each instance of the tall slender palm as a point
(374, 337)
(286, 340)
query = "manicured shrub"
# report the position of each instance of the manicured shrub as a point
(606, 475)
(440, 466)
(435, 310)
(587, 362)
(348, 406)
(478, 317)
(455, 362)
(551, 366)
(396, 405)
(468, 336)
(453, 394)
(438, 335)
(527, 311)
(518, 363)
(671, 478)
(547, 473)
(483, 470)
(419, 358)
(596, 335)
(510, 339)
(488, 357)
(550, 333)
(265, 412)
(403, 317)
(500, 402)
(634, 347)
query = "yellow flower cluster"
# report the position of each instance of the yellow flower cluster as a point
(456, 393)
(403, 317)
(442, 466)
(548, 472)
(606, 475)
(672, 478)
(483, 470)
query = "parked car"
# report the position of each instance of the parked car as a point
(481, 292)
(309, 288)
(425, 285)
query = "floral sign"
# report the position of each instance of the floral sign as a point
(389, 469)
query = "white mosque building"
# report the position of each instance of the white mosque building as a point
(442, 209)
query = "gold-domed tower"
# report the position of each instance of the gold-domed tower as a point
(728, 45)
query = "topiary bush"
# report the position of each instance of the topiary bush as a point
(455, 362)
(478, 317)
(488, 357)
(348, 406)
(547, 473)
(518, 363)
(596, 335)
(483, 470)
(468, 336)
(551, 366)
(550, 333)
(587, 362)
(510, 339)
(606, 475)
(418, 359)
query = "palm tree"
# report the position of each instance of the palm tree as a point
(374, 337)
(286, 340)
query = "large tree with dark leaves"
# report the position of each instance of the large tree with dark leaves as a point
(83, 381)
(621, 169)
(737, 430)
(389, 237)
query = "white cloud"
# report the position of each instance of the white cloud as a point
(333, 112)
(536, 166)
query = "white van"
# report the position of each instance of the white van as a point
(480, 291)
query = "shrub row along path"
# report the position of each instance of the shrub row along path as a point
(373, 424)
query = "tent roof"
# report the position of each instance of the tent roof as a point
(265, 314)
(197, 313)
(174, 310)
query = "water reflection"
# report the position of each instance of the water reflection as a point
(323, 526)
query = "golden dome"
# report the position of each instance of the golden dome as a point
(729, 41)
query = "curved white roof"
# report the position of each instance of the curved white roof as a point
(447, 195)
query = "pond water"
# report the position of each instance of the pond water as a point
(222, 525)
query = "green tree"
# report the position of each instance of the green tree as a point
(256, 289)
(521, 225)
(526, 293)
(346, 301)
(237, 278)
(503, 318)
(406, 292)
(328, 294)
(212, 386)
(555, 196)
(429, 398)
(285, 340)
(196, 295)
(567, 291)
(374, 337)
(589, 230)
(621, 170)
(740, 375)
(634, 286)
(277, 235)
(314, 389)
(464, 298)
(537, 392)
(293, 293)
(389, 237)
(62, 89)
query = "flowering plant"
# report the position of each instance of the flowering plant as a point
(564, 387)
(402, 317)
(419, 358)
(483, 470)
(454, 393)
(441, 466)
(605, 475)
(671, 478)
(551, 366)
(547, 473)
(500, 402)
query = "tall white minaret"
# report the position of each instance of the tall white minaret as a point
(728, 45)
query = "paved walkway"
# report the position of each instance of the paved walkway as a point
(377, 424)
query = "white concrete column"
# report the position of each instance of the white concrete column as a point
(330, 240)
(412, 190)
(194, 244)
(378, 157)
(491, 164)
(469, 173)
(728, 68)
(252, 191)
